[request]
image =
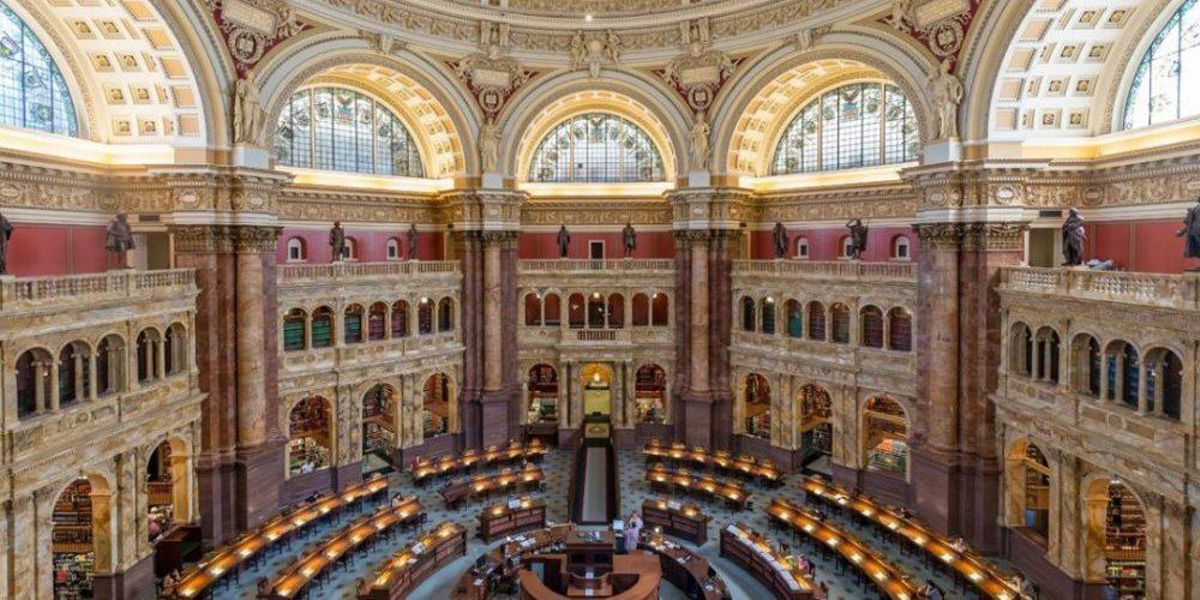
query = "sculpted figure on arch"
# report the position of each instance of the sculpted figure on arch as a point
(699, 142)
(489, 146)
(248, 115)
(947, 93)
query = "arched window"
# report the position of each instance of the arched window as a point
(295, 250)
(795, 319)
(33, 93)
(816, 321)
(748, 318)
(322, 327)
(768, 315)
(337, 129)
(1164, 382)
(1020, 352)
(293, 329)
(73, 378)
(533, 309)
(445, 315)
(110, 365)
(595, 311)
(377, 322)
(856, 125)
(400, 319)
(393, 249)
(553, 310)
(900, 248)
(425, 316)
(353, 324)
(148, 367)
(351, 249)
(575, 311)
(616, 311)
(847, 247)
(802, 248)
(641, 310)
(175, 350)
(660, 306)
(872, 327)
(1085, 361)
(596, 147)
(1158, 93)
(899, 330)
(1122, 372)
(1047, 355)
(841, 323)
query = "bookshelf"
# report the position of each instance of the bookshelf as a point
(1125, 542)
(71, 542)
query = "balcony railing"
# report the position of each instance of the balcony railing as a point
(349, 271)
(1156, 289)
(563, 265)
(841, 269)
(24, 292)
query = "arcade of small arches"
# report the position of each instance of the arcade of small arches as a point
(596, 309)
(836, 323)
(322, 327)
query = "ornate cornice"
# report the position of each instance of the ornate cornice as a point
(224, 239)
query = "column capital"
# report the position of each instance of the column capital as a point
(709, 208)
(225, 238)
(482, 210)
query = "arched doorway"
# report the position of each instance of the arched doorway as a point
(757, 398)
(885, 436)
(310, 436)
(440, 413)
(379, 405)
(816, 429)
(1027, 479)
(79, 537)
(650, 394)
(597, 389)
(1115, 536)
(542, 402)
(167, 488)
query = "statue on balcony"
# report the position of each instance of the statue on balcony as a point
(858, 238)
(630, 237)
(337, 241)
(1191, 230)
(6, 230)
(781, 240)
(1073, 235)
(119, 238)
(412, 242)
(564, 241)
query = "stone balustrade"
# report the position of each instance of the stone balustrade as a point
(356, 271)
(63, 291)
(1156, 289)
(615, 265)
(842, 269)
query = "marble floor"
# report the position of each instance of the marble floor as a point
(342, 584)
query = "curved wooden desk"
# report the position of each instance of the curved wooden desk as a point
(685, 569)
(477, 582)
(528, 477)
(417, 560)
(641, 568)
(742, 464)
(990, 582)
(686, 480)
(493, 455)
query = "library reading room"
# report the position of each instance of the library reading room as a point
(609, 299)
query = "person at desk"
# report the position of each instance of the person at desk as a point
(633, 528)
(958, 544)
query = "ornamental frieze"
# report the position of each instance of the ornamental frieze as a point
(592, 212)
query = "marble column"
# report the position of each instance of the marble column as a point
(492, 340)
(252, 402)
(699, 318)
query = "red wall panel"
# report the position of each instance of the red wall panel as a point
(371, 244)
(650, 244)
(1146, 246)
(826, 244)
(56, 249)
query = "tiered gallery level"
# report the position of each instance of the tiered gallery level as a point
(255, 252)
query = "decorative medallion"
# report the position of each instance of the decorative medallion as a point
(940, 25)
(253, 27)
(491, 76)
(698, 74)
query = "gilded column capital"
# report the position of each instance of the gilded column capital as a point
(995, 237)
(255, 238)
(225, 239)
(939, 236)
(709, 208)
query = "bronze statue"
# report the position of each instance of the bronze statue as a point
(337, 240)
(781, 240)
(412, 242)
(1191, 230)
(6, 230)
(564, 241)
(858, 238)
(119, 238)
(1073, 235)
(630, 239)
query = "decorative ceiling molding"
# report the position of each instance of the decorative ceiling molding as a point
(253, 27)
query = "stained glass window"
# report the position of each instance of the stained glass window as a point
(33, 93)
(856, 125)
(1156, 95)
(596, 148)
(336, 129)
